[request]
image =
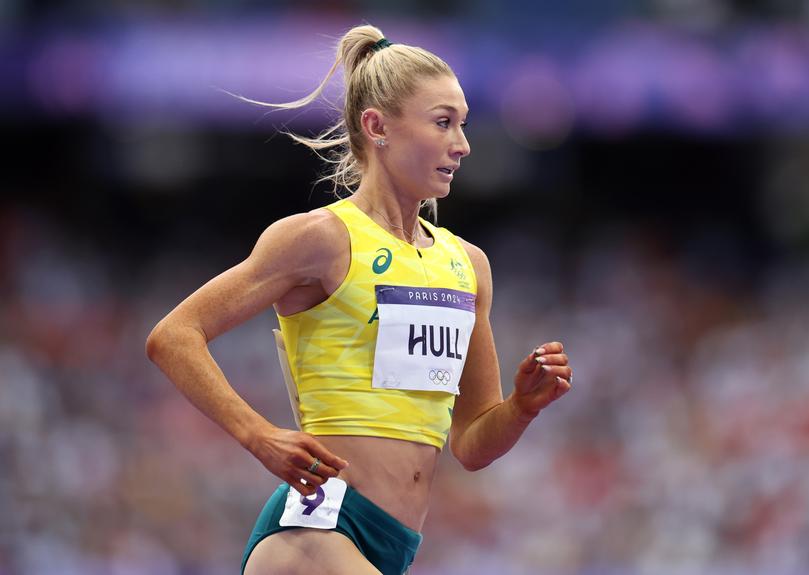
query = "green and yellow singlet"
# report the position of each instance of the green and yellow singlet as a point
(331, 347)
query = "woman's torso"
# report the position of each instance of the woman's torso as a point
(395, 473)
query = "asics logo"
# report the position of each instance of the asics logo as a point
(382, 261)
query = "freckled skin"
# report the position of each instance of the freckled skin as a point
(297, 263)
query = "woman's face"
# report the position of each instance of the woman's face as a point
(426, 142)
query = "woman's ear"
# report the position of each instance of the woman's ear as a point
(373, 126)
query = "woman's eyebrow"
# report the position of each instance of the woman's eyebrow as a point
(447, 107)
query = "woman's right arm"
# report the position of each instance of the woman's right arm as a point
(296, 251)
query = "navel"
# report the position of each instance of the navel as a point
(416, 476)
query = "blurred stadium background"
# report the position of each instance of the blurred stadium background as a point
(639, 178)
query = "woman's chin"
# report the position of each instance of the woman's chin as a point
(441, 191)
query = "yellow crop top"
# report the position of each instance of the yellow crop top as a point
(331, 346)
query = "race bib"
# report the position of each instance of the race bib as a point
(319, 510)
(423, 337)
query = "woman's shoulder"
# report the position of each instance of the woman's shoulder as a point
(483, 270)
(316, 226)
(307, 237)
(477, 256)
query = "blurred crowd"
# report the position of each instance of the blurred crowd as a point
(682, 447)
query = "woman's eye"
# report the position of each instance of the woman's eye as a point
(445, 124)
(464, 125)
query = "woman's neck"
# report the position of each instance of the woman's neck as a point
(390, 210)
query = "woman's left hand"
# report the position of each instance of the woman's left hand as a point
(542, 377)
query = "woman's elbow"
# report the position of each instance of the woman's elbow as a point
(156, 342)
(466, 458)
(473, 465)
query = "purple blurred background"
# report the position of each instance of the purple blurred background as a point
(631, 74)
(639, 178)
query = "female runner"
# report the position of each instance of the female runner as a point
(385, 322)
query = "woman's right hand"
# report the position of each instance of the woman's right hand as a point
(288, 454)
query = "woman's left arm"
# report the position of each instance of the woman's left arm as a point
(484, 426)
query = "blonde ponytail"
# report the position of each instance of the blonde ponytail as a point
(373, 77)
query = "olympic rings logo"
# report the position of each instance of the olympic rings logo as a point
(440, 376)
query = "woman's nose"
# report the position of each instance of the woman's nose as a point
(461, 147)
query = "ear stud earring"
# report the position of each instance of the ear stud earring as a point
(381, 142)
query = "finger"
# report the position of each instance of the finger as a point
(528, 365)
(563, 371)
(322, 469)
(552, 359)
(536, 381)
(546, 375)
(305, 489)
(326, 471)
(326, 457)
(312, 478)
(550, 347)
(562, 387)
(303, 459)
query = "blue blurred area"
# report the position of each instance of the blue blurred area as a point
(542, 78)
(639, 178)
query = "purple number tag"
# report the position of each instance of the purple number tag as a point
(312, 504)
(319, 510)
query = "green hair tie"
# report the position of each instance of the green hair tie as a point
(379, 44)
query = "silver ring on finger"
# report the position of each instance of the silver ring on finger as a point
(315, 464)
